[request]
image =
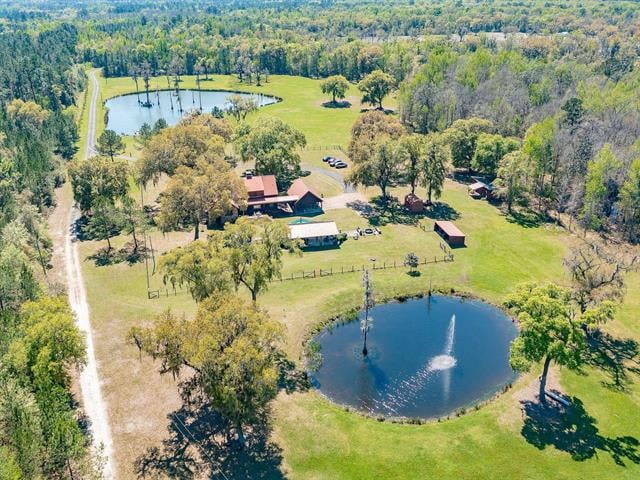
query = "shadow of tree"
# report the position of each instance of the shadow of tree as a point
(290, 378)
(442, 211)
(200, 441)
(103, 256)
(198, 446)
(526, 218)
(363, 208)
(573, 430)
(380, 213)
(616, 357)
(337, 104)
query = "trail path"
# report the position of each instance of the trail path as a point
(92, 400)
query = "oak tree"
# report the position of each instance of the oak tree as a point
(550, 328)
(110, 144)
(375, 87)
(272, 146)
(229, 348)
(336, 86)
(204, 193)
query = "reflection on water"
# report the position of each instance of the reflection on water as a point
(127, 115)
(432, 356)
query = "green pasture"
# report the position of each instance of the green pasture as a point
(310, 437)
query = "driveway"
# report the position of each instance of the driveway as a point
(343, 200)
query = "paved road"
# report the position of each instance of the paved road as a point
(332, 174)
(92, 400)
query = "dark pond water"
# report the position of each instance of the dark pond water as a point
(126, 115)
(427, 358)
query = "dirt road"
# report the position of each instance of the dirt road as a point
(92, 400)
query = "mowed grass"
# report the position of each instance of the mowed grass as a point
(301, 104)
(327, 130)
(319, 440)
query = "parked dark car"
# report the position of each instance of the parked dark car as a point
(326, 159)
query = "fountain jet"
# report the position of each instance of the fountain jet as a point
(446, 361)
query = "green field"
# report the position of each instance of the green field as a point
(310, 437)
(301, 104)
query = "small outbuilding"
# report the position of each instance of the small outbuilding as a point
(413, 203)
(480, 190)
(315, 234)
(449, 232)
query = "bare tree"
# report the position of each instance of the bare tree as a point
(145, 72)
(597, 271)
(133, 72)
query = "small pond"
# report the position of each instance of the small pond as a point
(126, 115)
(426, 358)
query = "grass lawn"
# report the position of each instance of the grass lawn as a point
(327, 129)
(301, 104)
(314, 439)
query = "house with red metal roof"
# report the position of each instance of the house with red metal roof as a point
(308, 200)
(263, 196)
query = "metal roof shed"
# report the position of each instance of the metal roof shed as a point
(451, 234)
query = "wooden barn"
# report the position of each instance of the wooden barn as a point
(480, 190)
(450, 233)
(413, 203)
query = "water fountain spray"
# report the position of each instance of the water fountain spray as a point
(446, 361)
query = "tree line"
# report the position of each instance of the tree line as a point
(41, 432)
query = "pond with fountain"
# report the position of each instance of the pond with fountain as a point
(426, 357)
(127, 113)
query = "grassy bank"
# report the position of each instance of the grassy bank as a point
(311, 438)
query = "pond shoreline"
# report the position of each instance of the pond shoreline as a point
(126, 113)
(351, 314)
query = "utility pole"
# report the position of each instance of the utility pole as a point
(367, 322)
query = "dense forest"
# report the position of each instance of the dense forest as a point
(348, 38)
(41, 434)
(559, 78)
